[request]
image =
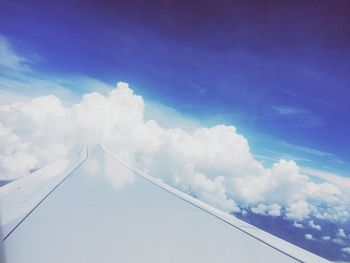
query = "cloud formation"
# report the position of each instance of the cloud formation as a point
(312, 225)
(341, 233)
(309, 237)
(346, 250)
(214, 164)
(9, 58)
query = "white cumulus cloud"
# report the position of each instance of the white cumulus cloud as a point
(298, 225)
(309, 237)
(272, 210)
(214, 164)
(341, 233)
(312, 225)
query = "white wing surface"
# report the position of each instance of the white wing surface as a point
(97, 208)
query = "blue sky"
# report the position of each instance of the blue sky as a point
(278, 71)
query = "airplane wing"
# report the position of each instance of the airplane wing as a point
(94, 207)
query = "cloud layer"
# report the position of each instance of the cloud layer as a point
(214, 164)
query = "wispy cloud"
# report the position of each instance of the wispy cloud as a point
(9, 59)
(308, 150)
(283, 110)
(169, 117)
(340, 181)
(302, 117)
(309, 237)
(19, 79)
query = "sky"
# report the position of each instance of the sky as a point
(275, 70)
(258, 86)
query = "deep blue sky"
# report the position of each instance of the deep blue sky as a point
(279, 68)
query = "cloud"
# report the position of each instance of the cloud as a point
(298, 225)
(341, 233)
(124, 176)
(326, 238)
(168, 117)
(24, 85)
(312, 225)
(299, 210)
(10, 60)
(309, 237)
(214, 164)
(271, 210)
(287, 110)
(341, 182)
(305, 118)
(346, 250)
(307, 150)
(339, 241)
(19, 80)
